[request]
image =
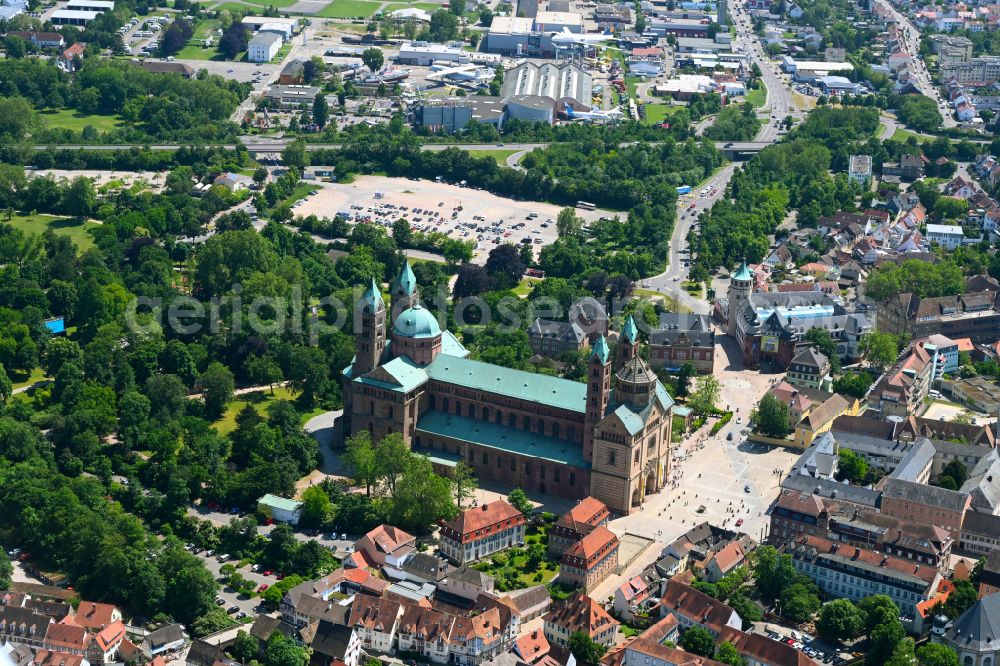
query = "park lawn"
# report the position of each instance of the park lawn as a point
(20, 379)
(74, 228)
(757, 96)
(260, 401)
(282, 52)
(523, 289)
(71, 120)
(903, 135)
(280, 4)
(658, 113)
(500, 155)
(349, 9)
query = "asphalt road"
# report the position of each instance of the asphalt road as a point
(923, 78)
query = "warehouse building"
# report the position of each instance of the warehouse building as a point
(531, 108)
(515, 35)
(73, 16)
(564, 80)
(91, 5)
(678, 28)
(254, 23)
(287, 97)
(559, 22)
(452, 114)
(425, 54)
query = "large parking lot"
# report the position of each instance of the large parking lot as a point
(460, 212)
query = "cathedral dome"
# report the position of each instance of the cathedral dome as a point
(416, 322)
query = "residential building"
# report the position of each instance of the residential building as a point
(909, 167)
(989, 580)
(974, 635)
(981, 70)
(555, 338)
(795, 514)
(854, 573)
(759, 650)
(809, 369)
(481, 531)
(95, 616)
(821, 418)
(531, 647)
(466, 583)
(651, 649)
(541, 433)
(724, 561)
(263, 47)
(925, 504)
(636, 594)
(376, 622)
(580, 613)
(281, 509)
(694, 608)
(386, 545)
(902, 387)
(948, 236)
(683, 338)
(40, 40)
(590, 560)
(292, 97)
(588, 514)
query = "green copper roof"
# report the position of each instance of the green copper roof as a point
(451, 346)
(416, 322)
(601, 350)
(630, 330)
(283, 503)
(373, 295)
(743, 273)
(528, 386)
(501, 438)
(406, 281)
(399, 374)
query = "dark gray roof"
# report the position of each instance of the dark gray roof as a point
(802, 481)
(560, 330)
(810, 357)
(469, 575)
(984, 483)
(264, 627)
(164, 636)
(696, 328)
(981, 524)
(952, 500)
(978, 628)
(424, 566)
(203, 654)
(331, 639)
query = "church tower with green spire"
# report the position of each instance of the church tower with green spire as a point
(740, 289)
(598, 393)
(370, 331)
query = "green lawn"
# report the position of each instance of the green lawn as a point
(658, 113)
(260, 400)
(71, 120)
(757, 96)
(500, 155)
(20, 380)
(282, 52)
(349, 9)
(63, 226)
(902, 135)
(524, 287)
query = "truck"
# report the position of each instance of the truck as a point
(684, 189)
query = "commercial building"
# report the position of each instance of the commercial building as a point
(425, 54)
(609, 16)
(685, 86)
(281, 509)
(515, 35)
(839, 85)
(974, 314)
(951, 48)
(844, 571)
(924, 504)
(282, 29)
(292, 97)
(678, 27)
(516, 428)
(91, 5)
(559, 22)
(161, 67)
(531, 108)
(809, 369)
(813, 68)
(680, 339)
(944, 355)
(254, 23)
(263, 47)
(977, 392)
(578, 522)
(452, 114)
(482, 531)
(555, 81)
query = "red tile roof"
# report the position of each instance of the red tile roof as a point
(591, 548)
(730, 557)
(532, 646)
(67, 635)
(482, 521)
(50, 658)
(581, 613)
(94, 616)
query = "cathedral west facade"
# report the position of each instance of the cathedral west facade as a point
(608, 437)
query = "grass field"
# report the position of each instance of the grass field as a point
(757, 96)
(349, 9)
(63, 226)
(20, 380)
(500, 155)
(524, 286)
(657, 113)
(902, 135)
(282, 52)
(71, 120)
(260, 401)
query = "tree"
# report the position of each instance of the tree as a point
(464, 480)
(295, 155)
(877, 609)
(961, 599)
(957, 470)
(699, 641)
(879, 349)
(902, 655)
(772, 571)
(234, 41)
(840, 620)
(936, 654)
(317, 509)
(6, 389)
(821, 339)
(260, 176)
(373, 58)
(15, 47)
(217, 386)
(684, 375)
(359, 454)
(485, 16)
(519, 500)
(504, 265)
(851, 466)
(283, 651)
(773, 417)
(853, 384)
(799, 602)
(245, 647)
(567, 222)
(6, 572)
(727, 654)
(705, 396)
(585, 649)
(421, 496)
(457, 7)
(321, 113)
(79, 198)
(444, 26)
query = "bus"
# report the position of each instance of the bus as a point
(586, 205)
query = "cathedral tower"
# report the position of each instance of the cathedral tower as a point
(369, 331)
(598, 393)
